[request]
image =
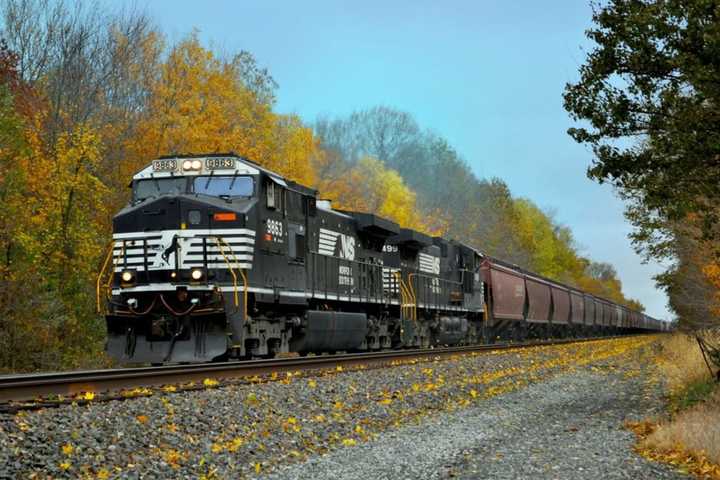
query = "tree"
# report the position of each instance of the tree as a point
(201, 103)
(648, 94)
(369, 186)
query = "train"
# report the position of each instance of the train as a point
(217, 258)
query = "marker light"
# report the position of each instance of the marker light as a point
(127, 276)
(196, 274)
(187, 165)
(224, 216)
(196, 164)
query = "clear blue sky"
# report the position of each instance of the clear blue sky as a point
(486, 75)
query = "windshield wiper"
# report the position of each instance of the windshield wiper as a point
(155, 182)
(233, 180)
(207, 184)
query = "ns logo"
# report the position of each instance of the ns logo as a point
(347, 247)
(332, 243)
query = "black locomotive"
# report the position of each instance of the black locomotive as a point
(216, 257)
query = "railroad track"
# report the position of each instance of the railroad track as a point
(19, 392)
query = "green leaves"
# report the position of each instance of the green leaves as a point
(649, 94)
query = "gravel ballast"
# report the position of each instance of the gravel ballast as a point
(549, 412)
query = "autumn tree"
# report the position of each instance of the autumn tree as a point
(647, 102)
(369, 186)
(70, 115)
(201, 103)
(649, 94)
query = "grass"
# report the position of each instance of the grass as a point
(690, 437)
(681, 363)
(695, 430)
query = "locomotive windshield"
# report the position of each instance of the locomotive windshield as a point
(218, 186)
(155, 187)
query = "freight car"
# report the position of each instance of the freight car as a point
(216, 257)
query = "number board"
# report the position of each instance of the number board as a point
(165, 165)
(214, 163)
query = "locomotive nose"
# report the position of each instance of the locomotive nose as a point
(177, 212)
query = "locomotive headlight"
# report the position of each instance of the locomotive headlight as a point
(127, 276)
(196, 274)
(196, 164)
(187, 165)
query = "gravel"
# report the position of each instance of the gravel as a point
(570, 427)
(550, 412)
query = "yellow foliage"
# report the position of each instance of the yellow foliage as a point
(712, 274)
(369, 186)
(199, 104)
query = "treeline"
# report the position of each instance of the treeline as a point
(88, 97)
(444, 197)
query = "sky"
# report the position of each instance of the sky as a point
(486, 75)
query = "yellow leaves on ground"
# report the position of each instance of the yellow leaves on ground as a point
(229, 446)
(67, 449)
(86, 396)
(346, 421)
(173, 457)
(137, 392)
(142, 418)
(694, 463)
(210, 382)
(312, 383)
(291, 424)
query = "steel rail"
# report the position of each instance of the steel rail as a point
(35, 387)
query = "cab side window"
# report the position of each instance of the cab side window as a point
(275, 196)
(270, 191)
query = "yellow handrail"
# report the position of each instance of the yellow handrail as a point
(232, 272)
(413, 297)
(407, 298)
(111, 249)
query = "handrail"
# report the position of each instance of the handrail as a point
(407, 298)
(413, 296)
(122, 254)
(230, 268)
(402, 293)
(232, 272)
(111, 249)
